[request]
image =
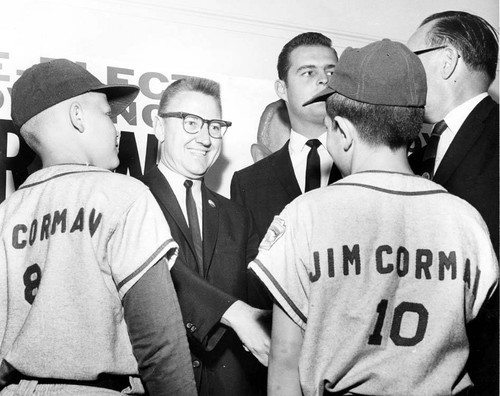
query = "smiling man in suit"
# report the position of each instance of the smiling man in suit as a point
(216, 242)
(303, 163)
(459, 52)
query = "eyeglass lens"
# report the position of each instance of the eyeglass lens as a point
(193, 124)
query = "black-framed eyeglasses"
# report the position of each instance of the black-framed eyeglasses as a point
(192, 123)
(423, 51)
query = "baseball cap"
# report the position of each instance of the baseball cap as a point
(382, 73)
(47, 84)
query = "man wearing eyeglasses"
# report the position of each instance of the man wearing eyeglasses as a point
(459, 52)
(216, 242)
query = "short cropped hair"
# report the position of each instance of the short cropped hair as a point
(191, 84)
(30, 130)
(378, 125)
(474, 37)
(302, 40)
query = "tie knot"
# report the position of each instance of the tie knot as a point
(313, 143)
(188, 184)
(439, 128)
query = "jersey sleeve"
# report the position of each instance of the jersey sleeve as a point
(280, 266)
(141, 238)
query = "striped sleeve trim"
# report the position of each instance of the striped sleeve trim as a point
(278, 292)
(385, 190)
(148, 262)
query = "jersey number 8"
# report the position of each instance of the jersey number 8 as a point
(32, 277)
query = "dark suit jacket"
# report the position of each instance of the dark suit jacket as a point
(221, 365)
(267, 186)
(469, 170)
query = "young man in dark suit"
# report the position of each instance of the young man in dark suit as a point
(459, 52)
(303, 163)
(216, 242)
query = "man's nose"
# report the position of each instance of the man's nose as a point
(203, 137)
(322, 78)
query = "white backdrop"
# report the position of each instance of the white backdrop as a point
(152, 42)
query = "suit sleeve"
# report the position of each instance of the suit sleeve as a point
(202, 306)
(258, 295)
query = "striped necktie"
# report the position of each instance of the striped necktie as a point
(429, 157)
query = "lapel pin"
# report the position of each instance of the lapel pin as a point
(211, 203)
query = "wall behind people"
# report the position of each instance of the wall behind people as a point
(153, 42)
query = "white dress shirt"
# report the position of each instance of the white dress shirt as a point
(454, 120)
(176, 182)
(298, 154)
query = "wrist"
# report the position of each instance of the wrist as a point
(235, 310)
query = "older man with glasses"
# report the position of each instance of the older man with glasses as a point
(216, 240)
(459, 52)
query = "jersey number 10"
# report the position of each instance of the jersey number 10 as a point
(395, 335)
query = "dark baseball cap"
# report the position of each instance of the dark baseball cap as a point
(47, 84)
(382, 73)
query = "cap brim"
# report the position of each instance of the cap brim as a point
(320, 97)
(119, 96)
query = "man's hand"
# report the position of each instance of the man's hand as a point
(253, 327)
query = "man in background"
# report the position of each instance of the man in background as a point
(216, 239)
(459, 52)
(303, 163)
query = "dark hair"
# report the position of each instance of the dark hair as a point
(191, 84)
(471, 35)
(393, 126)
(304, 39)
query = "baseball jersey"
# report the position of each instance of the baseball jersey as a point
(381, 271)
(74, 240)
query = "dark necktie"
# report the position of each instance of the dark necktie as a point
(313, 168)
(194, 224)
(429, 157)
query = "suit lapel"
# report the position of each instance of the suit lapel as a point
(210, 226)
(466, 137)
(283, 170)
(167, 200)
(415, 160)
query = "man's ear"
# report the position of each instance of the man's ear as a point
(450, 62)
(159, 129)
(77, 117)
(346, 130)
(280, 88)
(259, 151)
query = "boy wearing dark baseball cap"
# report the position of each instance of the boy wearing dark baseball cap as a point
(376, 276)
(86, 301)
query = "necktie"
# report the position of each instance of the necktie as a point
(194, 224)
(429, 157)
(313, 169)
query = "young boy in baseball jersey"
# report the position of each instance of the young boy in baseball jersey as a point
(376, 276)
(86, 298)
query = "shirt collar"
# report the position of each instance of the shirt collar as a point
(177, 180)
(455, 118)
(298, 141)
